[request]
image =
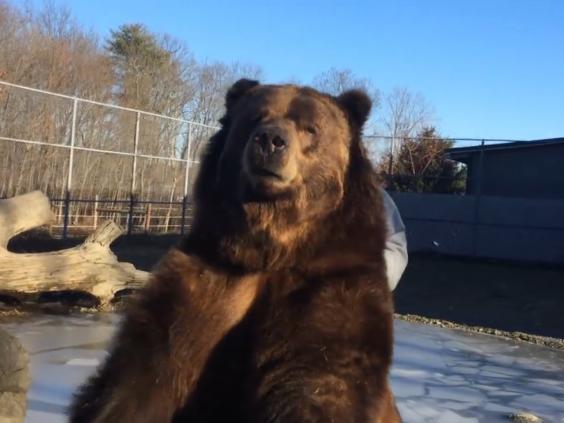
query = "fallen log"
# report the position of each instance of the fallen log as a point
(90, 267)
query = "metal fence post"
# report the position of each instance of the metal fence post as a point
(478, 195)
(95, 223)
(391, 163)
(133, 175)
(186, 179)
(69, 175)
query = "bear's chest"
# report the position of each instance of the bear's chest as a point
(294, 319)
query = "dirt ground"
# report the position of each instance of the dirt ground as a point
(500, 295)
(507, 297)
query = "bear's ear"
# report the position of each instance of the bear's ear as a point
(238, 90)
(356, 104)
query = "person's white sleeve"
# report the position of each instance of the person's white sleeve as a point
(395, 252)
(395, 256)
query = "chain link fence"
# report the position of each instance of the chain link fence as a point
(97, 161)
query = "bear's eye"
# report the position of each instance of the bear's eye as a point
(257, 118)
(311, 130)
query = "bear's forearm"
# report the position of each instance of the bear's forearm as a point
(164, 343)
(133, 384)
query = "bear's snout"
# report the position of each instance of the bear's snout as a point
(268, 155)
(269, 141)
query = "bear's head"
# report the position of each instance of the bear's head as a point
(287, 141)
(280, 172)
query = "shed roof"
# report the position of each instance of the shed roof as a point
(458, 153)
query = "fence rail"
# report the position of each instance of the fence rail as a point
(98, 103)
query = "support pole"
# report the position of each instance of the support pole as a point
(133, 176)
(186, 180)
(70, 168)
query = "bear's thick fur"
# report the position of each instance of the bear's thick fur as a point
(275, 308)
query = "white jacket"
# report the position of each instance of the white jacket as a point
(395, 252)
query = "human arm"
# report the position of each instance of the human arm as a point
(395, 251)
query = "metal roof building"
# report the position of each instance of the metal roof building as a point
(526, 169)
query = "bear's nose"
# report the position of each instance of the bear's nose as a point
(270, 141)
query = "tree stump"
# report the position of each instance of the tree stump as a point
(90, 267)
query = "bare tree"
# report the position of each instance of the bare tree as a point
(405, 113)
(211, 84)
(45, 49)
(334, 81)
(403, 116)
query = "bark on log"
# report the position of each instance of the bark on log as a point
(89, 267)
(22, 213)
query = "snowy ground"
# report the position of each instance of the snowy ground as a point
(439, 375)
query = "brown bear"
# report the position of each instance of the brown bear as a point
(275, 308)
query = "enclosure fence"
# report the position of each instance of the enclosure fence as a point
(150, 156)
(100, 161)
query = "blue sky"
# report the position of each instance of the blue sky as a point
(490, 68)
